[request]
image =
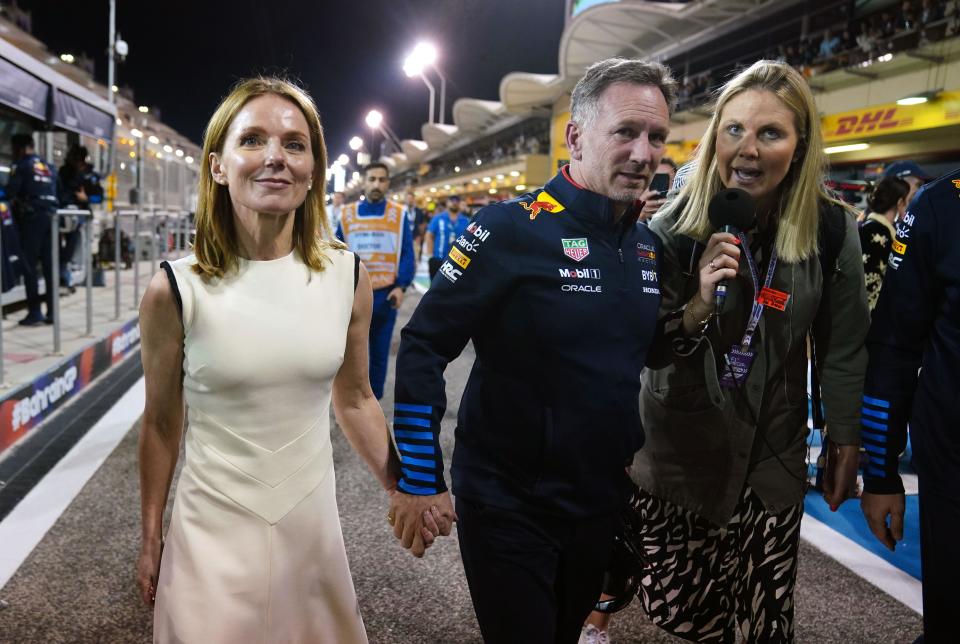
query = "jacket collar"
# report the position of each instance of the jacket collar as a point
(587, 205)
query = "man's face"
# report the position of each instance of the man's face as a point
(411, 200)
(338, 199)
(915, 183)
(375, 184)
(453, 206)
(615, 153)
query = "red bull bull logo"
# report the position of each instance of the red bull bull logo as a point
(535, 208)
(543, 202)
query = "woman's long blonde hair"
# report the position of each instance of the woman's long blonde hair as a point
(216, 246)
(801, 190)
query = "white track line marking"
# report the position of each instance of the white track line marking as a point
(29, 521)
(862, 562)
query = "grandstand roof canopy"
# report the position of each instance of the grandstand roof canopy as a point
(635, 29)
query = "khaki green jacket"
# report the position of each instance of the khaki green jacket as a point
(703, 444)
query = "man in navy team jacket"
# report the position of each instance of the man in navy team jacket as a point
(558, 290)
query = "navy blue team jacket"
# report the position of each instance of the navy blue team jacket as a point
(561, 303)
(917, 323)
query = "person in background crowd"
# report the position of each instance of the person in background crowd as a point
(376, 229)
(443, 231)
(336, 210)
(913, 379)
(722, 478)
(418, 220)
(910, 172)
(887, 203)
(829, 44)
(12, 256)
(652, 199)
(75, 177)
(32, 189)
(558, 291)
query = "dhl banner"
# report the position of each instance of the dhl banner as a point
(892, 118)
(24, 408)
(681, 151)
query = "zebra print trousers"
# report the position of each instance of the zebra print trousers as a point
(701, 582)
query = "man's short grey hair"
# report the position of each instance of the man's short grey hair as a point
(584, 102)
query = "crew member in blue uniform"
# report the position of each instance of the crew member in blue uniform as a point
(443, 231)
(558, 290)
(377, 230)
(32, 189)
(914, 377)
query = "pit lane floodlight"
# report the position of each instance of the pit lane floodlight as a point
(374, 119)
(424, 55)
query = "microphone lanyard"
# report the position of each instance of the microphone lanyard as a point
(757, 311)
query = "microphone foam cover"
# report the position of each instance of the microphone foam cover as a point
(733, 207)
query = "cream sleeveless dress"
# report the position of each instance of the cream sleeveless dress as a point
(254, 551)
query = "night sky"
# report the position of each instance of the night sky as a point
(184, 56)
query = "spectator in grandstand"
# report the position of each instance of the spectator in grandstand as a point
(888, 25)
(867, 40)
(32, 190)
(952, 13)
(887, 203)
(254, 333)
(558, 291)
(930, 11)
(913, 378)
(376, 229)
(907, 19)
(654, 199)
(910, 172)
(418, 220)
(723, 470)
(829, 45)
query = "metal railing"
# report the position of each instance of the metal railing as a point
(55, 269)
(170, 232)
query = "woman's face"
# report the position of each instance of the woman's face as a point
(267, 162)
(756, 144)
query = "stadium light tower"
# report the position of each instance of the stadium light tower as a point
(376, 123)
(424, 55)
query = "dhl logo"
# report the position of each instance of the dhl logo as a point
(543, 202)
(869, 121)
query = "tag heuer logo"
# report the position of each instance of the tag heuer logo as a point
(575, 249)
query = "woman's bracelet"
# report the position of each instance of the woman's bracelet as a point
(699, 324)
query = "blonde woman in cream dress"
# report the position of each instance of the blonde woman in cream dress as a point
(256, 332)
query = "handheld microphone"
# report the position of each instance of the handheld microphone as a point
(731, 211)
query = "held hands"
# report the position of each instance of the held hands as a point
(840, 476)
(418, 520)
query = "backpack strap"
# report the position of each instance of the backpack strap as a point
(832, 230)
